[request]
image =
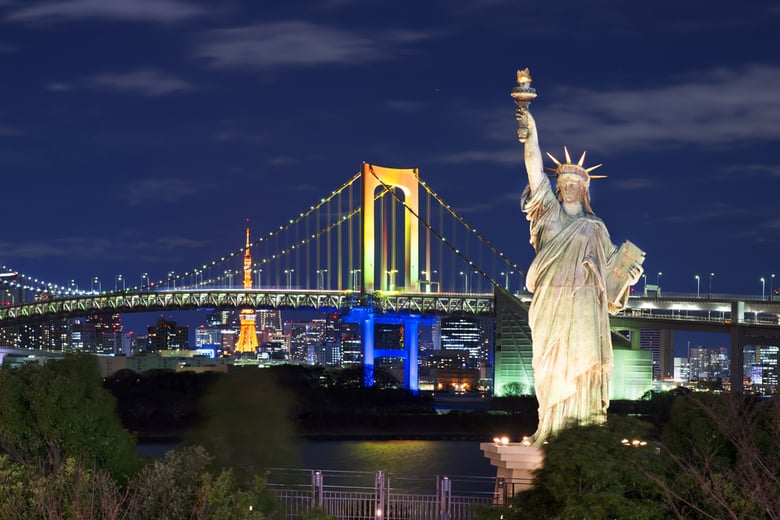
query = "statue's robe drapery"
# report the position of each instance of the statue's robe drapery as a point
(572, 346)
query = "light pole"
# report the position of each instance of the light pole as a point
(355, 279)
(289, 273)
(321, 278)
(465, 282)
(117, 281)
(658, 281)
(763, 286)
(96, 283)
(697, 285)
(506, 280)
(644, 284)
(710, 291)
(391, 279)
(171, 279)
(145, 278)
(259, 279)
(771, 285)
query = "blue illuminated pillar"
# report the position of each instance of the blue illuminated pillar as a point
(411, 328)
(367, 324)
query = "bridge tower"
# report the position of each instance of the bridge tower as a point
(407, 180)
(247, 337)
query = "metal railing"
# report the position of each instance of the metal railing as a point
(357, 495)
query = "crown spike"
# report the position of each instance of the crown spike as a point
(554, 170)
(593, 168)
(598, 176)
(568, 157)
(556, 161)
(582, 158)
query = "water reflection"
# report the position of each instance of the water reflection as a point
(418, 457)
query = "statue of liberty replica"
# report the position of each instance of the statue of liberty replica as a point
(578, 278)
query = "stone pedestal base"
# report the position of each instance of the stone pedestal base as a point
(515, 463)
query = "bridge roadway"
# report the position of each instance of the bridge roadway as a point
(719, 313)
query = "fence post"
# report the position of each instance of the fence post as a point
(316, 489)
(445, 498)
(379, 486)
(500, 494)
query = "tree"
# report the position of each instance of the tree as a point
(59, 410)
(595, 472)
(247, 424)
(722, 458)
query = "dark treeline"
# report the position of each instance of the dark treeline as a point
(331, 403)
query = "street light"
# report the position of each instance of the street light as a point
(763, 286)
(710, 292)
(321, 278)
(289, 273)
(259, 279)
(145, 278)
(697, 285)
(465, 282)
(171, 279)
(391, 279)
(117, 280)
(355, 279)
(96, 283)
(771, 284)
(658, 281)
(506, 280)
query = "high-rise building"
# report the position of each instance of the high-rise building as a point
(708, 363)
(661, 343)
(465, 333)
(761, 368)
(166, 335)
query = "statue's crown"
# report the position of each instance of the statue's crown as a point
(577, 169)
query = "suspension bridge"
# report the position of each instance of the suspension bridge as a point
(381, 244)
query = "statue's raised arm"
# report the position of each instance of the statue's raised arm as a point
(533, 154)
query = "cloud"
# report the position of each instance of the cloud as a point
(9, 131)
(149, 82)
(297, 44)
(399, 105)
(59, 86)
(634, 184)
(165, 190)
(711, 108)
(129, 10)
(711, 213)
(506, 156)
(762, 170)
(71, 247)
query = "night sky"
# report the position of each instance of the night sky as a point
(138, 135)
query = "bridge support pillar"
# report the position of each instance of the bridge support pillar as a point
(411, 333)
(367, 318)
(737, 363)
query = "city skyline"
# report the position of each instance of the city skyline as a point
(139, 135)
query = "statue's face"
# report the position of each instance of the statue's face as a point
(570, 191)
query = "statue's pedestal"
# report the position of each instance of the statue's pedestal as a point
(515, 463)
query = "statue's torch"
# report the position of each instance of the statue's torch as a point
(523, 93)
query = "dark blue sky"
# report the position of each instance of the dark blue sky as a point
(136, 136)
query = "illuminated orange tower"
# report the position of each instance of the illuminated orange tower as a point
(247, 337)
